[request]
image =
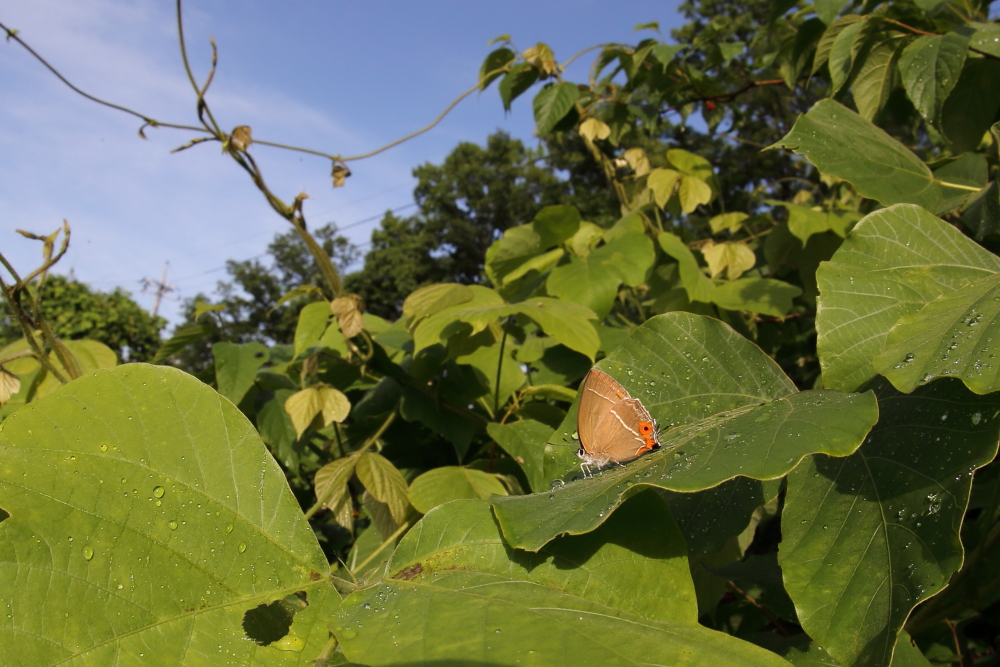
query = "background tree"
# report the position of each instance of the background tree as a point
(465, 204)
(245, 304)
(76, 311)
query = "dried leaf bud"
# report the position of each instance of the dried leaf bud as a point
(340, 174)
(240, 138)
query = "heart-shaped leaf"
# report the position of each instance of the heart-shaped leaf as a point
(893, 263)
(146, 519)
(455, 591)
(733, 411)
(867, 537)
(236, 367)
(952, 336)
(886, 170)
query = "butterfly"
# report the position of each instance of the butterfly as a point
(613, 427)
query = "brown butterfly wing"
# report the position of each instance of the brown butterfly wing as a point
(598, 394)
(619, 434)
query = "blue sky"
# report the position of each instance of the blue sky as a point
(340, 77)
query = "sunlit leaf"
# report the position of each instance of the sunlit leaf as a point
(442, 485)
(621, 596)
(886, 170)
(236, 367)
(330, 483)
(384, 483)
(696, 283)
(894, 262)
(735, 258)
(594, 129)
(552, 103)
(159, 520)
(724, 409)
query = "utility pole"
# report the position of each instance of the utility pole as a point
(161, 287)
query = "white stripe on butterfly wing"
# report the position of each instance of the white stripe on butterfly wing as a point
(627, 427)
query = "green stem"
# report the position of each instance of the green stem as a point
(389, 540)
(323, 659)
(367, 444)
(190, 74)
(496, 392)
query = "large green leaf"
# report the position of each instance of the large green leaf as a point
(877, 75)
(516, 246)
(521, 77)
(555, 224)
(567, 322)
(829, 37)
(950, 336)
(236, 367)
(929, 68)
(434, 298)
(441, 485)
(182, 338)
(970, 109)
(455, 593)
(311, 325)
(758, 295)
(867, 537)
(431, 330)
(146, 518)
(709, 518)
(893, 263)
(552, 103)
(593, 280)
(845, 48)
(734, 411)
(521, 440)
(697, 285)
(486, 362)
(831, 136)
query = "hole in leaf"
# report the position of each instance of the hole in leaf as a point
(267, 623)
(4, 515)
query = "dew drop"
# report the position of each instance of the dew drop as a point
(242, 547)
(88, 553)
(172, 525)
(158, 491)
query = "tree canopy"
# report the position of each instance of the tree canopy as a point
(75, 311)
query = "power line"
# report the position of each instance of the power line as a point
(376, 217)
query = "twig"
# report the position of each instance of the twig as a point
(729, 97)
(924, 33)
(194, 84)
(422, 130)
(576, 55)
(765, 610)
(496, 393)
(954, 636)
(12, 34)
